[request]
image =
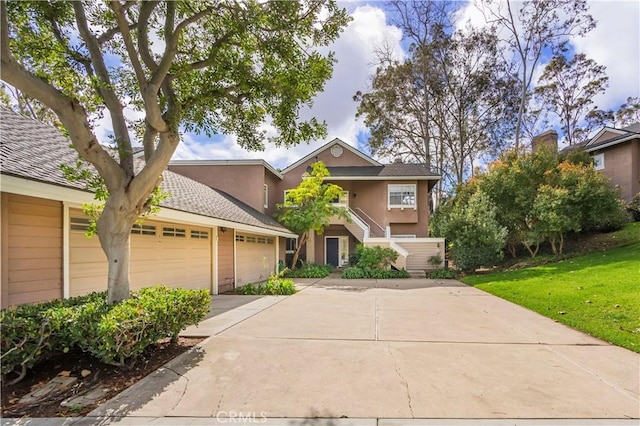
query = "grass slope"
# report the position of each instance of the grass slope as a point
(598, 293)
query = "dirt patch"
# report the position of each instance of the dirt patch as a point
(91, 374)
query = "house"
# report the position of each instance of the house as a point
(202, 237)
(615, 152)
(388, 204)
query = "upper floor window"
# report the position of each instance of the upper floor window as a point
(266, 196)
(342, 200)
(402, 196)
(598, 161)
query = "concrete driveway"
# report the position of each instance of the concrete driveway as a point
(389, 350)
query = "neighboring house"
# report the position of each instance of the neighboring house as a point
(202, 237)
(388, 203)
(616, 154)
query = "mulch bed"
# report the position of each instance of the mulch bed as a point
(101, 375)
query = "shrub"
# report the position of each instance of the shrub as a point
(120, 332)
(443, 274)
(112, 333)
(31, 333)
(309, 270)
(375, 257)
(276, 285)
(634, 207)
(355, 272)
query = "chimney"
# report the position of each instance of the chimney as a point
(548, 139)
(397, 160)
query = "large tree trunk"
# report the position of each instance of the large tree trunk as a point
(114, 232)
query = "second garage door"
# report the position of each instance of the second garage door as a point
(255, 258)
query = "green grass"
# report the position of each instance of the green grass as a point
(598, 293)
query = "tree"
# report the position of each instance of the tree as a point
(216, 66)
(444, 105)
(18, 102)
(471, 229)
(567, 88)
(536, 27)
(309, 207)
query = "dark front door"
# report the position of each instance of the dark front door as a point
(332, 251)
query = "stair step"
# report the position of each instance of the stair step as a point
(419, 273)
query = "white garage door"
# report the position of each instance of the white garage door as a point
(161, 253)
(255, 258)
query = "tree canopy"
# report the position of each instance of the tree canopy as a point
(217, 66)
(310, 206)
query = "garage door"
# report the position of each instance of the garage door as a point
(255, 258)
(161, 253)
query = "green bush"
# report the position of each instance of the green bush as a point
(276, 285)
(375, 257)
(443, 274)
(31, 333)
(309, 270)
(634, 207)
(112, 333)
(355, 272)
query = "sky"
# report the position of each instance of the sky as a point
(615, 43)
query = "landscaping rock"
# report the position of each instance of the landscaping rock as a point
(54, 386)
(83, 399)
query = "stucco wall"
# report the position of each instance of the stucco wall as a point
(622, 167)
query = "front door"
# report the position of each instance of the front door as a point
(332, 251)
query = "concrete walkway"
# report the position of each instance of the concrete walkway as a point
(387, 352)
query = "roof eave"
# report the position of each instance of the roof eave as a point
(324, 146)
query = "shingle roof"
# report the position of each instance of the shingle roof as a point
(34, 150)
(388, 170)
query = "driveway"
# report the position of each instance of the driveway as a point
(397, 349)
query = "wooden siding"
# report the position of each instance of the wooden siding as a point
(420, 250)
(226, 279)
(155, 259)
(31, 249)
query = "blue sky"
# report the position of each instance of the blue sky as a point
(614, 43)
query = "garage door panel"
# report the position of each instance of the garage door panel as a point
(255, 260)
(174, 261)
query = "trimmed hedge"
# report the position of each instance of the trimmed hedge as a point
(355, 272)
(443, 274)
(309, 270)
(276, 285)
(115, 334)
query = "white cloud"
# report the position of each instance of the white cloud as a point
(615, 43)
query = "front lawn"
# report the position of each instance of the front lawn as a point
(598, 293)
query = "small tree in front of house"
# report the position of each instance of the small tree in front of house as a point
(309, 207)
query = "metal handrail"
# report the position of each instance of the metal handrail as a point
(371, 219)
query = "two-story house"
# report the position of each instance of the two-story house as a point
(389, 204)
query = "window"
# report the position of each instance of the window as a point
(262, 240)
(251, 239)
(137, 229)
(401, 196)
(292, 245)
(270, 241)
(199, 235)
(240, 238)
(174, 232)
(79, 224)
(598, 161)
(266, 196)
(343, 200)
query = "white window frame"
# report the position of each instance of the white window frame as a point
(598, 161)
(343, 200)
(266, 196)
(402, 206)
(293, 246)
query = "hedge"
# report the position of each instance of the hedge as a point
(115, 334)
